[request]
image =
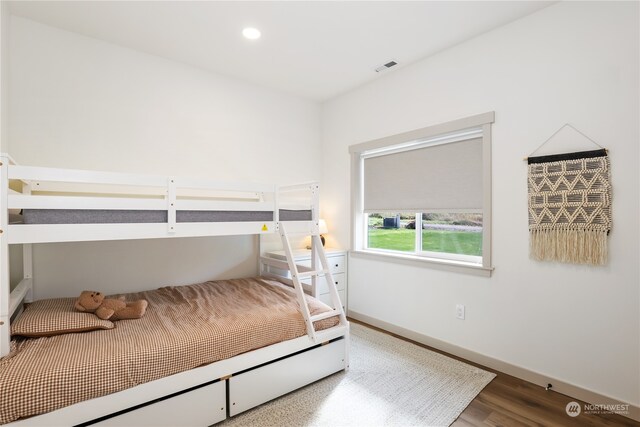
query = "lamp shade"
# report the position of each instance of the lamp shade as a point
(322, 227)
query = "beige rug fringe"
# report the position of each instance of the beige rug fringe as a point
(573, 246)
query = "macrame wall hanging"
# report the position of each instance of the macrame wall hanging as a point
(569, 205)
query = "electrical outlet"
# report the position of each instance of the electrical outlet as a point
(460, 311)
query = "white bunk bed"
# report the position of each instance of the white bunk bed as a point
(62, 205)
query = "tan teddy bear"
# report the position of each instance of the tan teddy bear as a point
(110, 308)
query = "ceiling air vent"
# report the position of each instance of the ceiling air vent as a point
(386, 66)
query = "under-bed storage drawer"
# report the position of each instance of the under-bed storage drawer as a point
(263, 384)
(200, 407)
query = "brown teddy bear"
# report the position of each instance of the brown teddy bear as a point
(110, 308)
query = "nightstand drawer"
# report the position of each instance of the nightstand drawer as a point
(326, 298)
(337, 263)
(339, 278)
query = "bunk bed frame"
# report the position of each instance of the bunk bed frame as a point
(212, 392)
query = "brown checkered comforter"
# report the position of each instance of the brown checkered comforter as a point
(185, 327)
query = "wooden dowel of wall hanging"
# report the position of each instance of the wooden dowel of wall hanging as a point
(606, 150)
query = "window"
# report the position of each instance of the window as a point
(426, 194)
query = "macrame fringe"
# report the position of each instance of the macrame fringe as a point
(574, 246)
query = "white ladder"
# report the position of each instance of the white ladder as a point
(299, 272)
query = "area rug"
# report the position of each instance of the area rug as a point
(390, 382)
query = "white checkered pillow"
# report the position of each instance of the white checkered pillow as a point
(48, 317)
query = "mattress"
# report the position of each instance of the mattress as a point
(97, 216)
(184, 327)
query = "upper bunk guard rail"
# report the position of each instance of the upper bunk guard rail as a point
(303, 186)
(35, 174)
(71, 189)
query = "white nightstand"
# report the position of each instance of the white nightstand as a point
(337, 262)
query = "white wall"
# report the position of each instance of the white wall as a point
(572, 62)
(4, 76)
(78, 102)
(15, 252)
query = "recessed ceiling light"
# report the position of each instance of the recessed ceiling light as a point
(251, 33)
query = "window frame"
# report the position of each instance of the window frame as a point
(428, 136)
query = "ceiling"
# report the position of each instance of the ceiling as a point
(315, 50)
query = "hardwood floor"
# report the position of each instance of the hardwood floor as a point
(511, 402)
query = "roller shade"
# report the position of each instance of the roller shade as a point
(440, 177)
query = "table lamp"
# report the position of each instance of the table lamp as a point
(322, 229)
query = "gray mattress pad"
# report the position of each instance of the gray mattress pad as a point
(100, 216)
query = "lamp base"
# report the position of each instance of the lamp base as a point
(322, 239)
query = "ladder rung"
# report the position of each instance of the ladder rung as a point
(284, 265)
(272, 262)
(326, 334)
(304, 232)
(309, 273)
(325, 315)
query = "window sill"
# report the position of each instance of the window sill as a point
(418, 261)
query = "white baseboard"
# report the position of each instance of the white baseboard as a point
(542, 380)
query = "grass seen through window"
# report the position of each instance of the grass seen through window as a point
(447, 233)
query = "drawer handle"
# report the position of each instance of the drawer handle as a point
(336, 265)
(336, 283)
